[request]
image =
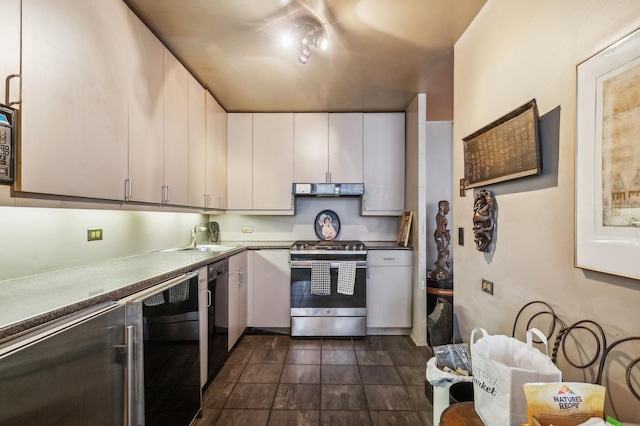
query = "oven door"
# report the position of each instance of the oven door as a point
(327, 315)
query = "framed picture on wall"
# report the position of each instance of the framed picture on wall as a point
(608, 159)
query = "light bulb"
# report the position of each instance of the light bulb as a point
(304, 55)
(323, 43)
(287, 39)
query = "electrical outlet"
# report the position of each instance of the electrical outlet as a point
(247, 229)
(487, 286)
(94, 234)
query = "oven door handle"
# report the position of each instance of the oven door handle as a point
(306, 264)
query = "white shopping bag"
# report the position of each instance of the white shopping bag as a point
(501, 365)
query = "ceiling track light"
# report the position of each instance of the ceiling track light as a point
(309, 32)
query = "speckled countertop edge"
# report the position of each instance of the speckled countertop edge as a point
(126, 286)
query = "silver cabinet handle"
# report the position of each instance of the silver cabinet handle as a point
(389, 258)
(130, 376)
(127, 189)
(7, 92)
(208, 298)
(240, 277)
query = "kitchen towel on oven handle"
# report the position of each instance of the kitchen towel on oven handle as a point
(346, 277)
(321, 278)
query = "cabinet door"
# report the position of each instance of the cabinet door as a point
(345, 147)
(311, 148)
(389, 289)
(384, 147)
(197, 144)
(10, 58)
(271, 289)
(145, 115)
(240, 161)
(273, 161)
(74, 376)
(75, 65)
(216, 153)
(237, 304)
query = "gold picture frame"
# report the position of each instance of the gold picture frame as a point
(405, 228)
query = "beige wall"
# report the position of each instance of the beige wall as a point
(515, 51)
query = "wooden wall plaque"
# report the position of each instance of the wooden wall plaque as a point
(508, 148)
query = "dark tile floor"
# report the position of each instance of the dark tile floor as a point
(277, 380)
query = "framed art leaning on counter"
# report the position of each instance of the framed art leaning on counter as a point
(405, 229)
(608, 159)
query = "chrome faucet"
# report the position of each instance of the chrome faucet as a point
(197, 230)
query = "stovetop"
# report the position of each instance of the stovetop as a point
(330, 245)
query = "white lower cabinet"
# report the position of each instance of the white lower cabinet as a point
(389, 289)
(270, 289)
(238, 280)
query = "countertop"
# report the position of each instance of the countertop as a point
(34, 300)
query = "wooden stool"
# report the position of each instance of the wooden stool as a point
(460, 414)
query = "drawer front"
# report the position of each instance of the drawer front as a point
(389, 257)
(237, 262)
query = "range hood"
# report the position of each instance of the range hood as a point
(328, 189)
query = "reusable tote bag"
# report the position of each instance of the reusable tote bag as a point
(501, 365)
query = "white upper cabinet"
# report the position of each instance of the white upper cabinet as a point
(76, 65)
(216, 154)
(197, 144)
(175, 167)
(311, 147)
(273, 162)
(260, 163)
(327, 147)
(240, 161)
(345, 147)
(146, 114)
(10, 58)
(384, 160)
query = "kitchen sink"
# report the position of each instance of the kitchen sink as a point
(203, 247)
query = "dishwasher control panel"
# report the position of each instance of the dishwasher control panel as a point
(7, 144)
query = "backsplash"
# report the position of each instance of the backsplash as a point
(44, 239)
(301, 226)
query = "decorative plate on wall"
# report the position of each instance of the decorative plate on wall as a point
(327, 225)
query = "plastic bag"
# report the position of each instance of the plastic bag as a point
(438, 377)
(454, 357)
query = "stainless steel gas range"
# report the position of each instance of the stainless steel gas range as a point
(328, 288)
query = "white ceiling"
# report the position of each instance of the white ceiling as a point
(381, 52)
